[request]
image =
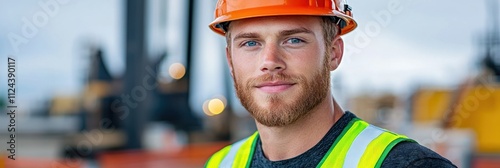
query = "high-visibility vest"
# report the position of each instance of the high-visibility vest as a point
(359, 145)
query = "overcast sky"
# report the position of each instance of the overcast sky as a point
(397, 46)
(424, 42)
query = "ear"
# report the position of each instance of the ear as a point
(337, 51)
(229, 61)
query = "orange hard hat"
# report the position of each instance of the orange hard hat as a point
(230, 10)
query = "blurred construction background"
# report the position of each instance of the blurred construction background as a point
(144, 83)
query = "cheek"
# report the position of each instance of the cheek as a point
(308, 61)
(311, 54)
(241, 70)
(244, 64)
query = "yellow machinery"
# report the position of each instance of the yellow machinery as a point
(475, 107)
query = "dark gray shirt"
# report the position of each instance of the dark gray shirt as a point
(404, 154)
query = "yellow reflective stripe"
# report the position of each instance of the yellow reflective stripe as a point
(349, 125)
(216, 158)
(245, 152)
(360, 144)
(376, 148)
(336, 157)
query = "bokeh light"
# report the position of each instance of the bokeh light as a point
(177, 70)
(214, 106)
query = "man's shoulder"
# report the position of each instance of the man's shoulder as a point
(412, 154)
(232, 148)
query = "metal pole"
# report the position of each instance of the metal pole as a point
(134, 94)
(189, 45)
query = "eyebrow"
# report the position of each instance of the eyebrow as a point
(295, 31)
(245, 35)
(281, 33)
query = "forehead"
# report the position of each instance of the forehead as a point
(271, 23)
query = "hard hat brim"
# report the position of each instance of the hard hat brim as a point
(274, 11)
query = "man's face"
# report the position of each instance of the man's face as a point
(280, 67)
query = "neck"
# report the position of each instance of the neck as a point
(280, 143)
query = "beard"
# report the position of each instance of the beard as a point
(280, 112)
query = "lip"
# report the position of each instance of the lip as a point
(274, 86)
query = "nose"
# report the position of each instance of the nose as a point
(272, 59)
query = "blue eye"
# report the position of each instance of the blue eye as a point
(294, 40)
(250, 43)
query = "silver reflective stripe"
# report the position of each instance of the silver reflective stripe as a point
(229, 159)
(359, 145)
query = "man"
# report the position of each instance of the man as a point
(280, 54)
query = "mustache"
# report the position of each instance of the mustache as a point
(252, 82)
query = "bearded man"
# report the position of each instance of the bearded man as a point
(281, 53)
